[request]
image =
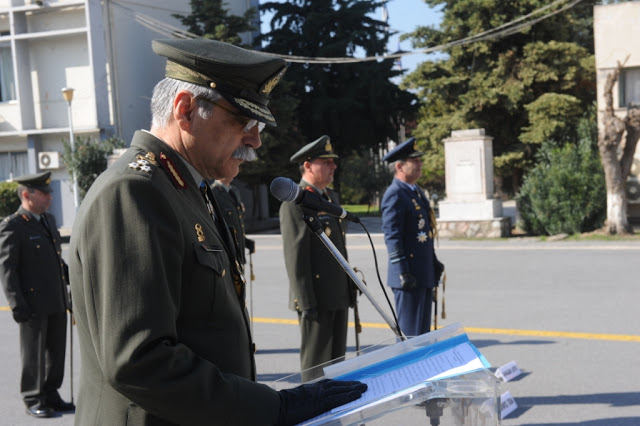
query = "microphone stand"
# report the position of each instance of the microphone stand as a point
(316, 227)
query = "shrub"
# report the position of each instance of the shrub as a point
(565, 192)
(9, 201)
(89, 159)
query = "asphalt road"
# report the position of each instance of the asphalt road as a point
(566, 313)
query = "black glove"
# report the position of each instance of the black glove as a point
(407, 281)
(307, 401)
(438, 268)
(310, 314)
(21, 315)
(250, 245)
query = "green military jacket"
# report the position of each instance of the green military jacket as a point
(233, 212)
(164, 335)
(316, 279)
(32, 271)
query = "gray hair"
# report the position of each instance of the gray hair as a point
(392, 166)
(165, 92)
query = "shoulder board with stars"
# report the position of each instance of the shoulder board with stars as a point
(144, 163)
(172, 171)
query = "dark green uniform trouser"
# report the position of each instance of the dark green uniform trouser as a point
(322, 340)
(42, 349)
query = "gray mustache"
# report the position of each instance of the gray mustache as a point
(245, 153)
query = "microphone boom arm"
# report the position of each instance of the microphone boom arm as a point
(314, 224)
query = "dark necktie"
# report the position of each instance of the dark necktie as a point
(44, 223)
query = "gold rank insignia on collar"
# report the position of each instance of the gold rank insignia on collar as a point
(173, 173)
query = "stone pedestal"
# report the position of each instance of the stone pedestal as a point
(470, 209)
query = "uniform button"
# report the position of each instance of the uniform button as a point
(411, 255)
(317, 275)
(224, 272)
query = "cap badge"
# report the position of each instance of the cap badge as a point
(48, 181)
(328, 147)
(270, 84)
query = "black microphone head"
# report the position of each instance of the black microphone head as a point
(284, 189)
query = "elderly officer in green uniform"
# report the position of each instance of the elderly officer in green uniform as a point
(34, 278)
(228, 198)
(320, 291)
(159, 296)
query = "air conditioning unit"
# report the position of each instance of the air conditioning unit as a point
(49, 160)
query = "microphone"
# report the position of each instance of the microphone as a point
(286, 190)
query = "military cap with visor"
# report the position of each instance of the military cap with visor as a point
(38, 181)
(407, 149)
(244, 78)
(320, 148)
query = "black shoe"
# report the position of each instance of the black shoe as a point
(62, 406)
(39, 411)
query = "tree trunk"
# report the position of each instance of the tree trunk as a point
(617, 168)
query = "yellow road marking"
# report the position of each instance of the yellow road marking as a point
(503, 331)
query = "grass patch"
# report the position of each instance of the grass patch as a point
(362, 209)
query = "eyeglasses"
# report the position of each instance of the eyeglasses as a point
(248, 123)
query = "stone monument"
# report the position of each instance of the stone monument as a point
(470, 209)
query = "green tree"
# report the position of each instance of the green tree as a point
(513, 86)
(88, 160)
(210, 19)
(356, 104)
(9, 200)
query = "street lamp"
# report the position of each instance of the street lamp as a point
(67, 92)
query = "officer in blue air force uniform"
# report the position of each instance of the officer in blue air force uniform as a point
(408, 225)
(159, 296)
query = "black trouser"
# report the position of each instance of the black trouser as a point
(42, 349)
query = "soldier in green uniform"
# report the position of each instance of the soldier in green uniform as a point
(34, 278)
(228, 198)
(159, 295)
(320, 291)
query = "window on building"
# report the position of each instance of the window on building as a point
(630, 87)
(13, 164)
(7, 81)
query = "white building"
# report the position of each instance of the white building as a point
(101, 49)
(616, 35)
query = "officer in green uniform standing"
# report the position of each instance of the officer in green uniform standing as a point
(34, 278)
(230, 202)
(159, 297)
(320, 291)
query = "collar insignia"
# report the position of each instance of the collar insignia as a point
(173, 173)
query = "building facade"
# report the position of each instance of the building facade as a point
(101, 49)
(616, 35)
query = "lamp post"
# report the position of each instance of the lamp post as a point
(67, 92)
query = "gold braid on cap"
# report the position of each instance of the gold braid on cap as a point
(180, 72)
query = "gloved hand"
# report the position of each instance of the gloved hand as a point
(310, 314)
(307, 401)
(407, 281)
(21, 315)
(250, 245)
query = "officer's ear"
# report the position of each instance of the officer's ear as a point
(184, 107)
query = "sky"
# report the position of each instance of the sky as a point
(404, 17)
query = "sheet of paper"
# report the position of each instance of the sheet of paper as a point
(457, 360)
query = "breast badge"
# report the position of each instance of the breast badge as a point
(422, 237)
